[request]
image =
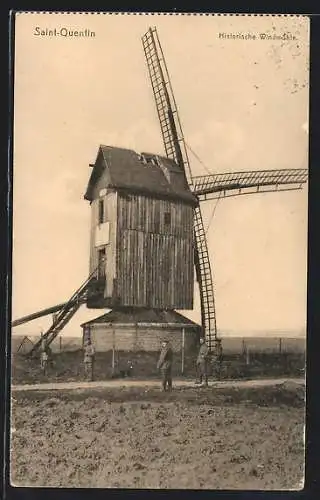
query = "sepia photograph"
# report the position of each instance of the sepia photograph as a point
(159, 267)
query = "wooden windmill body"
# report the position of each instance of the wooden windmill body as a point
(141, 232)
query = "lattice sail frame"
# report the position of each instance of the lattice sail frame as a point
(175, 149)
(208, 187)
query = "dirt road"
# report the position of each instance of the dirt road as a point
(118, 383)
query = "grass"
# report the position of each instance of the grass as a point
(137, 438)
(68, 366)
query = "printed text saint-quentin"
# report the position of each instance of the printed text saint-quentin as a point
(63, 32)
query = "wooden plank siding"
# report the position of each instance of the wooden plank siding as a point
(154, 265)
(110, 215)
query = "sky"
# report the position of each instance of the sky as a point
(243, 105)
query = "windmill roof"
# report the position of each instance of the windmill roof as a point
(146, 173)
(143, 316)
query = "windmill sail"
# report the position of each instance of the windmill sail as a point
(170, 125)
(175, 148)
(208, 187)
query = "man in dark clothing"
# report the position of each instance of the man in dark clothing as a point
(50, 356)
(165, 365)
(217, 359)
(202, 362)
(44, 360)
(89, 353)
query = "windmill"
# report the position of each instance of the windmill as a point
(147, 233)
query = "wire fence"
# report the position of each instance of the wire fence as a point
(231, 345)
(242, 358)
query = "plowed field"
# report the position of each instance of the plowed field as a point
(141, 438)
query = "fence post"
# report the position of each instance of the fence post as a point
(60, 343)
(247, 356)
(182, 351)
(243, 347)
(113, 351)
(43, 342)
(280, 346)
(135, 347)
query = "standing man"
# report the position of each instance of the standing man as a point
(217, 359)
(202, 363)
(50, 357)
(165, 365)
(89, 354)
(44, 358)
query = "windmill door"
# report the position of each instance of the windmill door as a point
(101, 263)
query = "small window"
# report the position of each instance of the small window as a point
(101, 211)
(143, 159)
(167, 218)
(147, 159)
(156, 161)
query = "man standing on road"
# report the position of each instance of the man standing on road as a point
(202, 363)
(165, 365)
(216, 359)
(44, 359)
(89, 354)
